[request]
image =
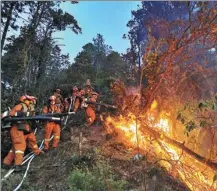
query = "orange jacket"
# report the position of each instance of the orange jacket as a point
(17, 108)
(52, 109)
(92, 96)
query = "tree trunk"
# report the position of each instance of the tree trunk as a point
(139, 54)
(31, 34)
(9, 17)
(41, 58)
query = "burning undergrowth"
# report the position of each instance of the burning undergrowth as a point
(151, 135)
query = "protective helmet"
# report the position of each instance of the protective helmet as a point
(34, 100)
(23, 98)
(82, 92)
(95, 93)
(31, 99)
(52, 99)
(74, 89)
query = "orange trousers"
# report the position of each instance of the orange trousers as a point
(19, 146)
(49, 128)
(90, 115)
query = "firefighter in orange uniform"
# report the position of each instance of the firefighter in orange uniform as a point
(59, 99)
(78, 100)
(91, 96)
(20, 133)
(51, 126)
(74, 100)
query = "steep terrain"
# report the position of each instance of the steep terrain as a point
(116, 165)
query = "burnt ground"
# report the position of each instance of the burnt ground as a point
(51, 171)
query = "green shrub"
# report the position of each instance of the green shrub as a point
(100, 178)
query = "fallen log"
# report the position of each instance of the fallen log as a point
(195, 171)
(158, 136)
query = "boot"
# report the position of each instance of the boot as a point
(18, 168)
(5, 166)
(41, 153)
(45, 150)
(54, 151)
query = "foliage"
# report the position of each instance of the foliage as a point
(99, 178)
(169, 35)
(97, 62)
(10, 12)
(203, 114)
(173, 54)
(150, 15)
(172, 49)
(12, 183)
(33, 57)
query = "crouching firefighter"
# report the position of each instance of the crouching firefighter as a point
(51, 126)
(21, 132)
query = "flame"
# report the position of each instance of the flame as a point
(196, 175)
(154, 105)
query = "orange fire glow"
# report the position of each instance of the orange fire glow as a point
(195, 174)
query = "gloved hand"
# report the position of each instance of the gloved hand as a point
(83, 104)
(86, 99)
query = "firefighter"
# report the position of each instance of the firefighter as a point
(73, 100)
(89, 95)
(50, 126)
(21, 133)
(59, 99)
(117, 88)
(80, 97)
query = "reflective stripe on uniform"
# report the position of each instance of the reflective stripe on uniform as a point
(35, 146)
(18, 151)
(11, 151)
(46, 139)
(57, 137)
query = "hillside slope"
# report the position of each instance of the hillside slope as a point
(104, 165)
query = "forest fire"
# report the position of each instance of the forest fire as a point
(197, 175)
